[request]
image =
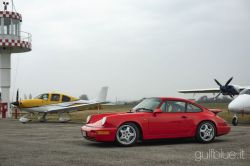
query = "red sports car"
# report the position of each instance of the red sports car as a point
(156, 118)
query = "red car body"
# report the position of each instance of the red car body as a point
(155, 124)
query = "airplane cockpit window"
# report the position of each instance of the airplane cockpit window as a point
(245, 91)
(55, 97)
(65, 98)
(43, 96)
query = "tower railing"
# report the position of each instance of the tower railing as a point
(22, 36)
(25, 36)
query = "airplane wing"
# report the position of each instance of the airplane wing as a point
(226, 89)
(63, 107)
(210, 90)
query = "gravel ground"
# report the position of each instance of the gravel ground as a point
(61, 144)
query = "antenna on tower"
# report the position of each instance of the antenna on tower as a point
(13, 6)
(5, 5)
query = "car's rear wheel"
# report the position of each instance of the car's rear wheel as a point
(127, 134)
(205, 132)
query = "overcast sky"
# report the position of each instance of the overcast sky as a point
(139, 48)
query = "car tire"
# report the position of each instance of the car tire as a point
(127, 134)
(206, 132)
(235, 121)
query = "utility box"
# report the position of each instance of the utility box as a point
(3, 109)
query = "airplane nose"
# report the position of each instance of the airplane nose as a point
(16, 103)
(235, 106)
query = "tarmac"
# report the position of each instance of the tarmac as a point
(54, 143)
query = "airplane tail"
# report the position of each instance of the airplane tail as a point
(103, 94)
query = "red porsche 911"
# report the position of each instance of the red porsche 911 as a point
(156, 118)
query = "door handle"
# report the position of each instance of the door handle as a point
(184, 117)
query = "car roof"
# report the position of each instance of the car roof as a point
(181, 99)
(175, 98)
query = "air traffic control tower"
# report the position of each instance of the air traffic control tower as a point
(12, 40)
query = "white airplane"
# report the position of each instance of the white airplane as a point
(56, 103)
(239, 104)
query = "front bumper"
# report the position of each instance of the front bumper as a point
(99, 134)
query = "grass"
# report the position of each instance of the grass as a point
(81, 116)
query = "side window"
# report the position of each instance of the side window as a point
(55, 97)
(193, 108)
(65, 98)
(163, 107)
(175, 106)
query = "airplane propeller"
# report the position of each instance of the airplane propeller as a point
(216, 97)
(17, 102)
(226, 89)
(17, 95)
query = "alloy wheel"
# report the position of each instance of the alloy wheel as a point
(126, 134)
(206, 132)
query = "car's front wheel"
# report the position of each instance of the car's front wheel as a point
(127, 134)
(205, 132)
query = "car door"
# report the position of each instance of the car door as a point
(171, 122)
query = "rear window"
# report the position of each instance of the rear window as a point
(193, 108)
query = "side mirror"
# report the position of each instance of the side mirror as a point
(157, 111)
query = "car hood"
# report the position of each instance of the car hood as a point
(95, 119)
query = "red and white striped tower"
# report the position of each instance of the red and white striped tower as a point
(12, 40)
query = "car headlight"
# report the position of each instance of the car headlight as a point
(103, 121)
(88, 119)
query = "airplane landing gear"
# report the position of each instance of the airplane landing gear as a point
(43, 118)
(64, 117)
(235, 120)
(24, 119)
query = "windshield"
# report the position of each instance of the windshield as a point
(42, 96)
(147, 105)
(245, 91)
(38, 97)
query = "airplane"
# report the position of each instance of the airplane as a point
(56, 103)
(239, 104)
